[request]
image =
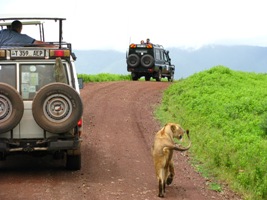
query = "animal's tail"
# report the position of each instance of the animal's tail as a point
(180, 148)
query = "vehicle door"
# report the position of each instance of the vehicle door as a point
(159, 62)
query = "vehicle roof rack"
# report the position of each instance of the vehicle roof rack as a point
(38, 18)
(158, 45)
(24, 23)
(37, 23)
(31, 18)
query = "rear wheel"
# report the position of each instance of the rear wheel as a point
(134, 76)
(74, 162)
(11, 107)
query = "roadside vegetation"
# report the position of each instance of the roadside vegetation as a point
(226, 113)
(103, 77)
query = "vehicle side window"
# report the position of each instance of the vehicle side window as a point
(8, 74)
(157, 55)
(34, 76)
(161, 55)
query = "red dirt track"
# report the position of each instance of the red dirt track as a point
(119, 128)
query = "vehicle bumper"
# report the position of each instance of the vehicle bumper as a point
(28, 146)
(141, 70)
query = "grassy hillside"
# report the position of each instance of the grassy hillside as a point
(226, 113)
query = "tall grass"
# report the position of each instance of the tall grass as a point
(226, 112)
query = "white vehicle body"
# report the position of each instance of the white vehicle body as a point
(40, 104)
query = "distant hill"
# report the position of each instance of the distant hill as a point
(98, 61)
(241, 58)
(187, 61)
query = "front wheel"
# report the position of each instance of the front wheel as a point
(134, 76)
(159, 76)
(170, 79)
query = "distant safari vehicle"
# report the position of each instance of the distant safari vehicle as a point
(150, 61)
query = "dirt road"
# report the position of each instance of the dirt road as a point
(116, 162)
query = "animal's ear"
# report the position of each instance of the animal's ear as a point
(173, 127)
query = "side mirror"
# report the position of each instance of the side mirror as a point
(80, 81)
(73, 56)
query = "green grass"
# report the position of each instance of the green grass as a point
(103, 77)
(226, 113)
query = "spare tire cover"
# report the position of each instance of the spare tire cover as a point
(133, 60)
(147, 60)
(57, 108)
(11, 107)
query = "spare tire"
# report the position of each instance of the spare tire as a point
(147, 60)
(133, 60)
(57, 108)
(11, 107)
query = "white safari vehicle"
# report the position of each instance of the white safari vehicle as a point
(40, 104)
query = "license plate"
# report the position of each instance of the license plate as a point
(141, 45)
(27, 53)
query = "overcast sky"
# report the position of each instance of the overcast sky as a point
(113, 24)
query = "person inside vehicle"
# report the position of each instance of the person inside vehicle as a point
(148, 41)
(142, 42)
(12, 37)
